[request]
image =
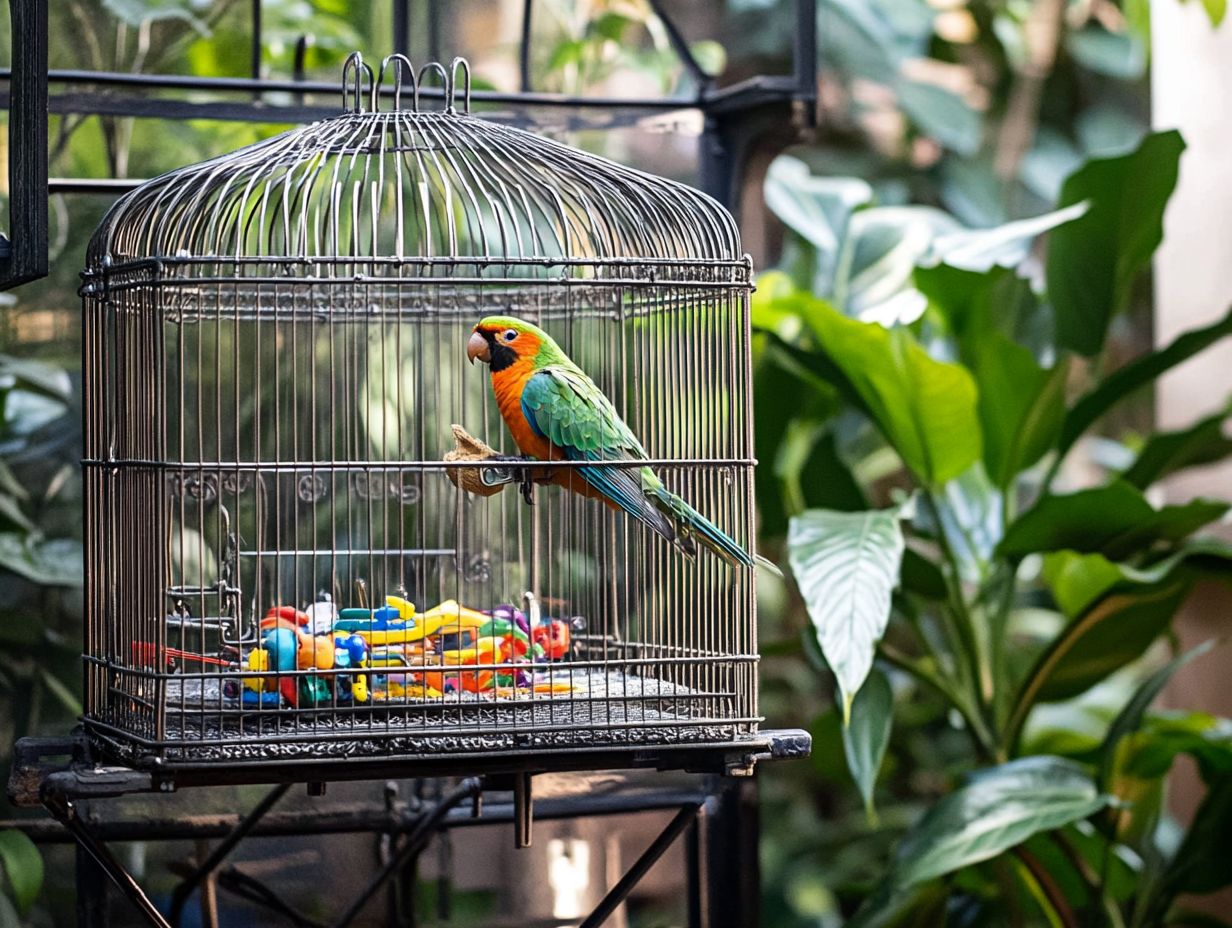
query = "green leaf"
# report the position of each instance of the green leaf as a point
(1166, 453)
(57, 562)
(970, 511)
(979, 304)
(1006, 245)
(1052, 158)
(847, 566)
(1125, 380)
(609, 25)
(1021, 407)
(23, 864)
(1077, 580)
(136, 12)
(1114, 520)
(942, 114)
(1149, 754)
(818, 210)
(825, 481)
(1216, 10)
(567, 52)
(60, 691)
(866, 736)
(1109, 635)
(922, 577)
(996, 810)
(1093, 261)
(872, 279)
(36, 377)
(8, 915)
(1130, 717)
(11, 515)
(925, 408)
(1121, 55)
(1201, 863)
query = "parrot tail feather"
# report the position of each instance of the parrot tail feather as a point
(691, 525)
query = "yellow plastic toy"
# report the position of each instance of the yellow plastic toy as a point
(406, 610)
(258, 662)
(444, 619)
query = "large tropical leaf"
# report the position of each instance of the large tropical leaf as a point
(55, 562)
(1094, 261)
(925, 408)
(866, 737)
(847, 566)
(1200, 864)
(1124, 381)
(1077, 580)
(996, 810)
(1109, 635)
(1165, 453)
(1021, 406)
(1130, 717)
(1114, 520)
(23, 864)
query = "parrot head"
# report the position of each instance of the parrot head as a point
(502, 341)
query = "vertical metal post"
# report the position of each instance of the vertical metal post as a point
(256, 40)
(804, 68)
(695, 858)
(523, 810)
(402, 26)
(93, 906)
(23, 255)
(434, 29)
(524, 48)
(730, 885)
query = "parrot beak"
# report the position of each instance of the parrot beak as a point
(477, 347)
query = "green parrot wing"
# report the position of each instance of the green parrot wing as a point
(566, 407)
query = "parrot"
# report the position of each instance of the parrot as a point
(555, 412)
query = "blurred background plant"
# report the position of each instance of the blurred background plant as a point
(954, 585)
(947, 368)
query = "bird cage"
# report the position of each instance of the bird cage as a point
(311, 533)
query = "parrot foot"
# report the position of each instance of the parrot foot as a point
(527, 486)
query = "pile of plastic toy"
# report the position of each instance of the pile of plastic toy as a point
(394, 653)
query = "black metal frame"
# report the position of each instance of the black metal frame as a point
(736, 118)
(721, 850)
(719, 816)
(23, 253)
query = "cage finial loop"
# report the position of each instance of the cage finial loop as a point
(400, 62)
(355, 61)
(446, 78)
(461, 66)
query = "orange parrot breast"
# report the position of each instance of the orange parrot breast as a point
(508, 384)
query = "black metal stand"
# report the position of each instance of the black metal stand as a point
(715, 813)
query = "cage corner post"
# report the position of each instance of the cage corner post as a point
(23, 253)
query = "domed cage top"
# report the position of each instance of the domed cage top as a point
(310, 532)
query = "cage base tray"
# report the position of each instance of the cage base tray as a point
(606, 709)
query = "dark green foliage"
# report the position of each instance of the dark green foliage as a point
(958, 408)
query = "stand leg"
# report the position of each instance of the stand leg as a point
(208, 864)
(730, 890)
(92, 885)
(64, 812)
(618, 893)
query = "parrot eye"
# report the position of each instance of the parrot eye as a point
(509, 334)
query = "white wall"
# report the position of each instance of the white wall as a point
(1192, 91)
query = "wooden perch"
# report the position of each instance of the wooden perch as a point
(469, 448)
